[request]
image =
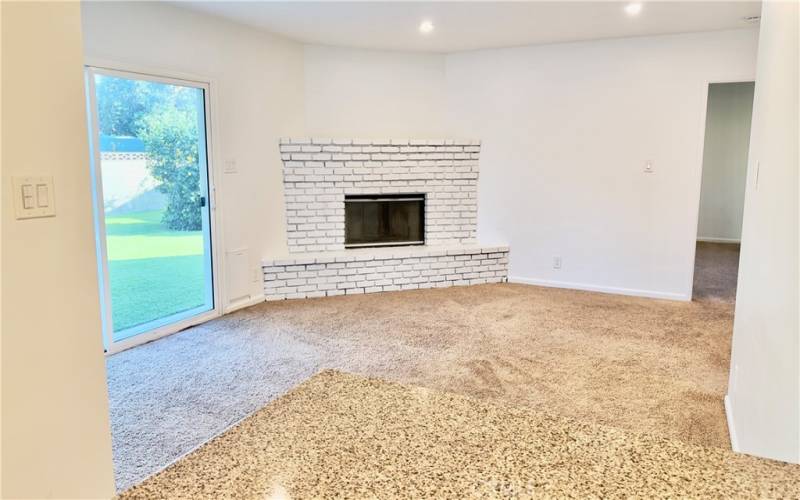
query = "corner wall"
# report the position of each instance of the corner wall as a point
(56, 439)
(763, 400)
(567, 130)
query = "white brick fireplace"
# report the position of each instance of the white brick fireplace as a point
(320, 173)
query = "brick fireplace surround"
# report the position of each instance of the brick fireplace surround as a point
(318, 173)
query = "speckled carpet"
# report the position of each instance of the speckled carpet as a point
(344, 436)
(633, 363)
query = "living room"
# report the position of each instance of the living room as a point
(294, 237)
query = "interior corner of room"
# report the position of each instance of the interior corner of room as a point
(229, 223)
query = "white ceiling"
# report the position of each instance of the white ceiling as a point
(474, 25)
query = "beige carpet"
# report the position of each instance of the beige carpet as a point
(342, 436)
(635, 363)
(638, 364)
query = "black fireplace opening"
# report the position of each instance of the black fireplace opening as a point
(384, 220)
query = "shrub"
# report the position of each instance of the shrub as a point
(165, 118)
(171, 136)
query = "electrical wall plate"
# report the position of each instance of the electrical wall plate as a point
(33, 197)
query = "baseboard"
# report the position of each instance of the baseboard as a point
(601, 289)
(244, 303)
(711, 239)
(731, 427)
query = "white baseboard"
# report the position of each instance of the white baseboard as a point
(241, 304)
(711, 239)
(601, 289)
(731, 428)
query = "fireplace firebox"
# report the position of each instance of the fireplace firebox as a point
(384, 220)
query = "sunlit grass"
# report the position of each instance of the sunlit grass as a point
(154, 272)
(141, 235)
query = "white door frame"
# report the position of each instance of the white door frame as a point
(126, 71)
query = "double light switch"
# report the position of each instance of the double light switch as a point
(33, 197)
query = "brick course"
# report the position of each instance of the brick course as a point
(383, 269)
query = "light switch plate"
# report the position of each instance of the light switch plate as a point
(33, 197)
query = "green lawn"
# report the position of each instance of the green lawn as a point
(154, 272)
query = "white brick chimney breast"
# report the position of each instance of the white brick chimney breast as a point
(319, 173)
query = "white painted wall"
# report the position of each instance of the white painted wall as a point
(257, 97)
(638, 99)
(728, 115)
(374, 94)
(566, 132)
(764, 389)
(56, 439)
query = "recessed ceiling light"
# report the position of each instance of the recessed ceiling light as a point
(633, 8)
(426, 27)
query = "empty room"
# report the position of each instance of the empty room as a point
(400, 249)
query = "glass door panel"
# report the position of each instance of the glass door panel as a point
(151, 201)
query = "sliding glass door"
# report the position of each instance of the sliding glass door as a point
(152, 204)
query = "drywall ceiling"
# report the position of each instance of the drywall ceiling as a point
(475, 25)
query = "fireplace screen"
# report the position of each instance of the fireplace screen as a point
(384, 220)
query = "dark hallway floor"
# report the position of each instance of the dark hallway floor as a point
(716, 268)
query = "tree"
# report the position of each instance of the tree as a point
(122, 103)
(170, 136)
(165, 118)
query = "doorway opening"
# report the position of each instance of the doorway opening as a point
(153, 224)
(719, 225)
